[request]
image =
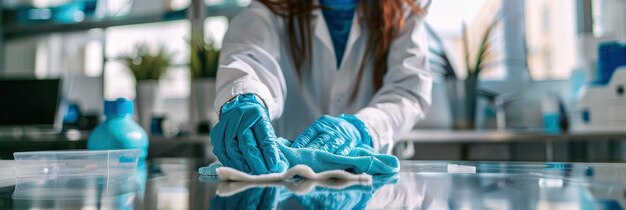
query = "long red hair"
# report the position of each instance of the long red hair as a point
(383, 19)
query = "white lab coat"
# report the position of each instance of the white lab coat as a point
(256, 58)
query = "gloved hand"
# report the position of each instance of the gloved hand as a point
(337, 135)
(244, 138)
(254, 198)
(323, 198)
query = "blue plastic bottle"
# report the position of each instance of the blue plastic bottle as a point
(119, 130)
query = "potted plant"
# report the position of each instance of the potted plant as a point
(203, 64)
(462, 93)
(147, 67)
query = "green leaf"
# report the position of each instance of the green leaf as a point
(204, 59)
(446, 62)
(145, 65)
(485, 45)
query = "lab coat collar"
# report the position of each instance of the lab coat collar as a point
(355, 33)
(321, 30)
(322, 33)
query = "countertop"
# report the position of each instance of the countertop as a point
(175, 184)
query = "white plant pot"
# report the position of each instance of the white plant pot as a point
(147, 100)
(201, 102)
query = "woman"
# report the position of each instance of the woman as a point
(357, 66)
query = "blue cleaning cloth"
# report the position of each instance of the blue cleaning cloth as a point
(362, 159)
(321, 196)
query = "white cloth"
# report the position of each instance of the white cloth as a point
(302, 187)
(231, 174)
(255, 58)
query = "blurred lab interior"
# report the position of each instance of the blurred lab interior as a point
(549, 87)
(527, 80)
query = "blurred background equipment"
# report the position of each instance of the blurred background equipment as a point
(525, 80)
(31, 103)
(602, 103)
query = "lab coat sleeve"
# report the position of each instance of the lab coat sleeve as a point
(249, 60)
(406, 92)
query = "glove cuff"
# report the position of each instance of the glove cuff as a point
(360, 126)
(240, 99)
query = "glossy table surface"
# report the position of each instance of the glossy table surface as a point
(174, 184)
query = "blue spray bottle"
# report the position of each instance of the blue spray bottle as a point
(119, 130)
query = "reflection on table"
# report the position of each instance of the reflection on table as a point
(174, 184)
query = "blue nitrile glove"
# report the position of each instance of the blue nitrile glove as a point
(254, 198)
(244, 138)
(352, 197)
(310, 194)
(323, 198)
(337, 135)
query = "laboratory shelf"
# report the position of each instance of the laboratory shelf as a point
(13, 30)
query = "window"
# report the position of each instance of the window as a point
(546, 19)
(446, 18)
(118, 82)
(120, 8)
(548, 61)
(608, 19)
(93, 58)
(598, 17)
(215, 28)
(550, 38)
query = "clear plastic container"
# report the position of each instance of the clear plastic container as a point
(7, 168)
(7, 173)
(72, 163)
(83, 188)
